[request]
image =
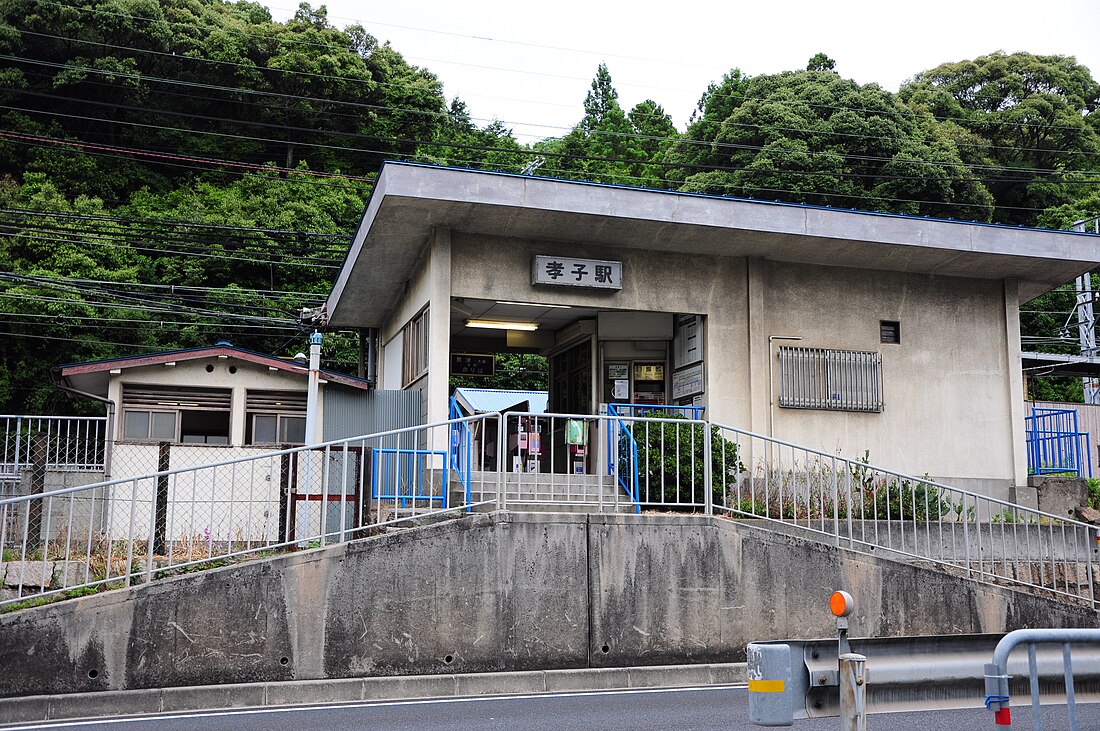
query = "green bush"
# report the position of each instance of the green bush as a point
(670, 460)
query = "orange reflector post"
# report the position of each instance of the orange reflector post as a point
(841, 603)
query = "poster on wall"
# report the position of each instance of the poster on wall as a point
(687, 382)
(687, 341)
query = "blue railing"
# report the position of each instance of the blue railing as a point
(401, 474)
(461, 440)
(1054, 444)
(625, 458)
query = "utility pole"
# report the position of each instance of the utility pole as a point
(1086, 322)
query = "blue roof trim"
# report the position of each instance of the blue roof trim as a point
(710, 196)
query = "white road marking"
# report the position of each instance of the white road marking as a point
(367, 704)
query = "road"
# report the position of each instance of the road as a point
(695, 709)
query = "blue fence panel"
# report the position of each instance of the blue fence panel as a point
(399, 474)
(1055, 445)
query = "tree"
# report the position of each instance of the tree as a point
(820, 62)
(1032, 119)
(814, 137)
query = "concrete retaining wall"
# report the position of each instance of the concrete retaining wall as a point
(494, 592)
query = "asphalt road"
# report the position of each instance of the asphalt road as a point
(699, 709)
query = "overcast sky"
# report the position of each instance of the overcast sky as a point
(531, 64)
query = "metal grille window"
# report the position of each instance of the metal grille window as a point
(822, 378)
(172, 414)
(275, 417)
(415, 343)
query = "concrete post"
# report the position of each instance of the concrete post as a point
(853, 692)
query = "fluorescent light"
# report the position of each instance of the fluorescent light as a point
(535, 304)
(502, 325)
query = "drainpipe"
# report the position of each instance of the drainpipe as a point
(110, 445)
(372, 356)
(311, 391)
(771, 387)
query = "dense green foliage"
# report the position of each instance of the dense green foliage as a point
(177, 172)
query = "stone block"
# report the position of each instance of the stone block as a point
(37, 575)
(1060, 495)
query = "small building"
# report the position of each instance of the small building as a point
(185, 408)
(845, 331)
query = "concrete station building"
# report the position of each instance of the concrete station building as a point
(845, 331)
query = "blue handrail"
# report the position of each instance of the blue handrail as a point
(461, 447)
(620, 434)
(408, 461)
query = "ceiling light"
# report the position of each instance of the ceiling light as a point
(502, 325)
(535, 304)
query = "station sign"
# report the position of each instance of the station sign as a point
(562, 271)
(472, 364)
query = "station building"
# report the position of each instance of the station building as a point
(850, 332)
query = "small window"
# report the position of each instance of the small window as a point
(140, 425)
(275, 417)
(836, 380)
(890, 331)
(415, 344)
(172, 414)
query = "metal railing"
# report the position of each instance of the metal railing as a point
(153, 524)
(861, 506)
(62, 442)
(1055, 444)
(997, 677)
(190, 511)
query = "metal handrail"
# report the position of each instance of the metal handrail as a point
(997, 693)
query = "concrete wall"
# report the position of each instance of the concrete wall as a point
(948, 407)
(494, 592)
(953, 399)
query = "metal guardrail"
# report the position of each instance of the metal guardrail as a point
(65, 442)
(160, 520)
(798, 679)
(861, 506)
(140, 527)
(998, 673)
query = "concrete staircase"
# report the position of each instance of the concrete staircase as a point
(543, 492)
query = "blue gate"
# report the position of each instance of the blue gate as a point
(1055, 445)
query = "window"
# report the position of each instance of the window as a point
(275, 417)
(889, 331)
(172, 414)
(415, 344)
(820, 378)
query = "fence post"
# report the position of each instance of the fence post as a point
(708, 471)
(853, 692)
(38, 486)
(160, 522)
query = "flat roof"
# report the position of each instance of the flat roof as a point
(409, 200)
(1058, 364)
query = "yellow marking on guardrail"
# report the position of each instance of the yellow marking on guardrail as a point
(765, 686)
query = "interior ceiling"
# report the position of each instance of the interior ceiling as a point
(549, 319)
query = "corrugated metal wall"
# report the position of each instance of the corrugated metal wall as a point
(352, 413)
(1088, 420)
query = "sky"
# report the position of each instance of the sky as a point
(531, 64)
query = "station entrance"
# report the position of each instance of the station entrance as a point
(597, 362)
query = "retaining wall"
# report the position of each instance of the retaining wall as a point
(498, 592)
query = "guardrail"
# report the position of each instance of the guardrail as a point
(798, 679)
(100, 533)
(997, 673)
(58, 442)
(140, 527)
(861, 506)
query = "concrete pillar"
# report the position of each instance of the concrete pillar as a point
(439, 348)
(1017, 449)
(757, 346)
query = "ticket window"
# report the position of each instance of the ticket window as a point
(648, 381)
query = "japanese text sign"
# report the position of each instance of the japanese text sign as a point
(570, 272)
